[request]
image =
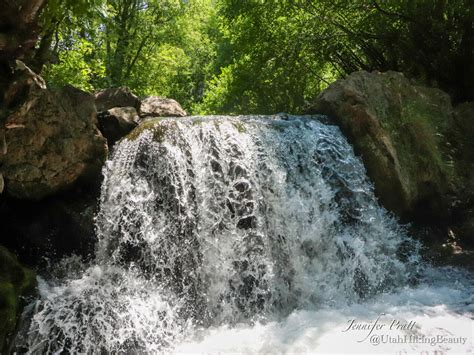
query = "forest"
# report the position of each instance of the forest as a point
(253, 56)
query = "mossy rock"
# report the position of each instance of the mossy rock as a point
(162, 127)
(401, 132)
(158, 126)
(16, 282)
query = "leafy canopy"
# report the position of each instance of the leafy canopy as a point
(256, 56)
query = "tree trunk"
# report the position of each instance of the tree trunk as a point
(18, 35)
(19, 32)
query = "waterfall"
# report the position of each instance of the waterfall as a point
(209, 222)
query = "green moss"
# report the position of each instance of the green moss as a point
(16, 282)
(426, 123)
(158, 126)
(239, 126)
(416, 125)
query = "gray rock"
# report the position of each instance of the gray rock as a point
(116, 97)
(156, 106)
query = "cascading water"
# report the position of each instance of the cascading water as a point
(214, 228)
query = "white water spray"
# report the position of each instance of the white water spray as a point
(229, 227)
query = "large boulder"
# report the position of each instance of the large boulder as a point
(16, 282)
(52, 141)
(116, 97)
(400, 130)
(156, 106)
(117, 122)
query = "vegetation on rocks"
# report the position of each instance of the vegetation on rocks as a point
(400, 130)
(16, 282)
(157, 126)
(416, 147)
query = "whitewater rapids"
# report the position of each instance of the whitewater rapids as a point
(255, 234)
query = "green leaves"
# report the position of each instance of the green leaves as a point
(281, 54)
(256, 56)
(156, 47)
(76, 67)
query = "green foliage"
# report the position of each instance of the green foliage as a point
(77, 67)
(282, 53)
(256, 56)
(16, 281)
(156, 47)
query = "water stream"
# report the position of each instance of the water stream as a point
(246, 234)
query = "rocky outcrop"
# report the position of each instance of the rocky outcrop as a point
(417, 149)
(16, 282)
(401, 132)
(120, 111)
(116, 97)
(117, 122)
(156, 106)
(52, 141)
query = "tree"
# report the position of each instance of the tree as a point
(156, 47)
(282, 53)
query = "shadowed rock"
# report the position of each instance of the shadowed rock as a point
(117, 122)
(116, 97)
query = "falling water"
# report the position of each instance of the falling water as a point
(214, 228)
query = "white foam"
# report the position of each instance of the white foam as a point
(242, 234)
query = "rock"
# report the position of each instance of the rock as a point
(156, 106)
(400, 130)
(464, 140)
(16, 282)
(117, 123)
(45, 231)
(116, 97)
(464, 160)
(24, 78)
(52, 142)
